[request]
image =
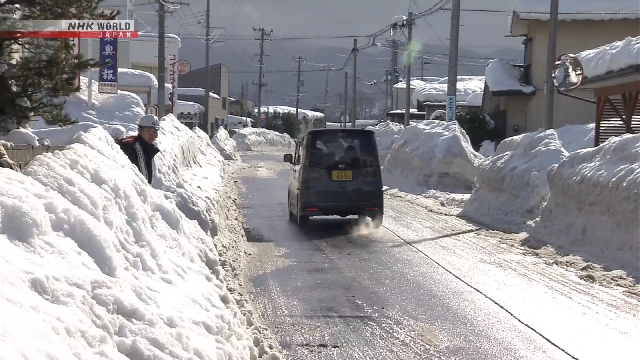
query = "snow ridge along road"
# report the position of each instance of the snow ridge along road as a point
(336, 291)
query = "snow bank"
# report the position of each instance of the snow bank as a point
(594, 202)
(387, 133)
(116, 113)
(500, 75)
(225, 145)
(512, 184)
(611, 57)
(97, 264)
(251, 139)
(434, 154)
(488, 148)
(437, 92)
(21, 137)
(186, 161)
(576, 137)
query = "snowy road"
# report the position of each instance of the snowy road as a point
(425, 286)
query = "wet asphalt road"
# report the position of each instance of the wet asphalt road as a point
(333, 291)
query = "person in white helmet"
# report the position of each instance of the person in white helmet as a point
(140, 148)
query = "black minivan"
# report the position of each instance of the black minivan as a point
(336, 172)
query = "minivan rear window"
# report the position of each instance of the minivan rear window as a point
(351, 149)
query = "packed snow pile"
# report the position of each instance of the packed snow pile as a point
(434, 155)
(512, 184)
(21, 137)
(116, 113)
(611, 57)
(488, 148)
(386, 135)
(98, 264)
(500, 75)
(124, 108)
(188, 159)
(225, 145)
(576, 137)
(252, 139)
(437, 92)
(594, 202)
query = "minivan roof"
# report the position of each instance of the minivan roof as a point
(339, 130)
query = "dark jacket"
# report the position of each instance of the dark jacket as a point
(141, 154)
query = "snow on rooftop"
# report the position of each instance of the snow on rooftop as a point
(302, 113)
(437, 92)
(578, 9)
(500, 75)
(475, 99)
(414, 84)
(611, 57)
(195, 92)
(187, 107)
(131, 77)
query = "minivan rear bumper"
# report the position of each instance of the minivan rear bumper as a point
(369, 208)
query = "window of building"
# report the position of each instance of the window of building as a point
(224, 103)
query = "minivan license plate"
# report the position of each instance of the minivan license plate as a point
(341, 175)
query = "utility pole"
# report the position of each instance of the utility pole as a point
(394, 60)
(551, 58)
(328, 67)
(346, 97)
(246, 100)
(452, 85)
(299, 59)
(407, 74)
(263, 35)
(355, 84)
(387, 85)
(207, 90)
(161, 59)
(341, 107)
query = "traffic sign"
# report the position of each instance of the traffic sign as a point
(451, 108)
(184, 67)
(263, 119)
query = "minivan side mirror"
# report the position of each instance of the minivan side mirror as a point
(288, 158)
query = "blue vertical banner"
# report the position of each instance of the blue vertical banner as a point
(451, 108)
(108, 77)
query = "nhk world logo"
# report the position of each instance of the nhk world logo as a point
(97, 25)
